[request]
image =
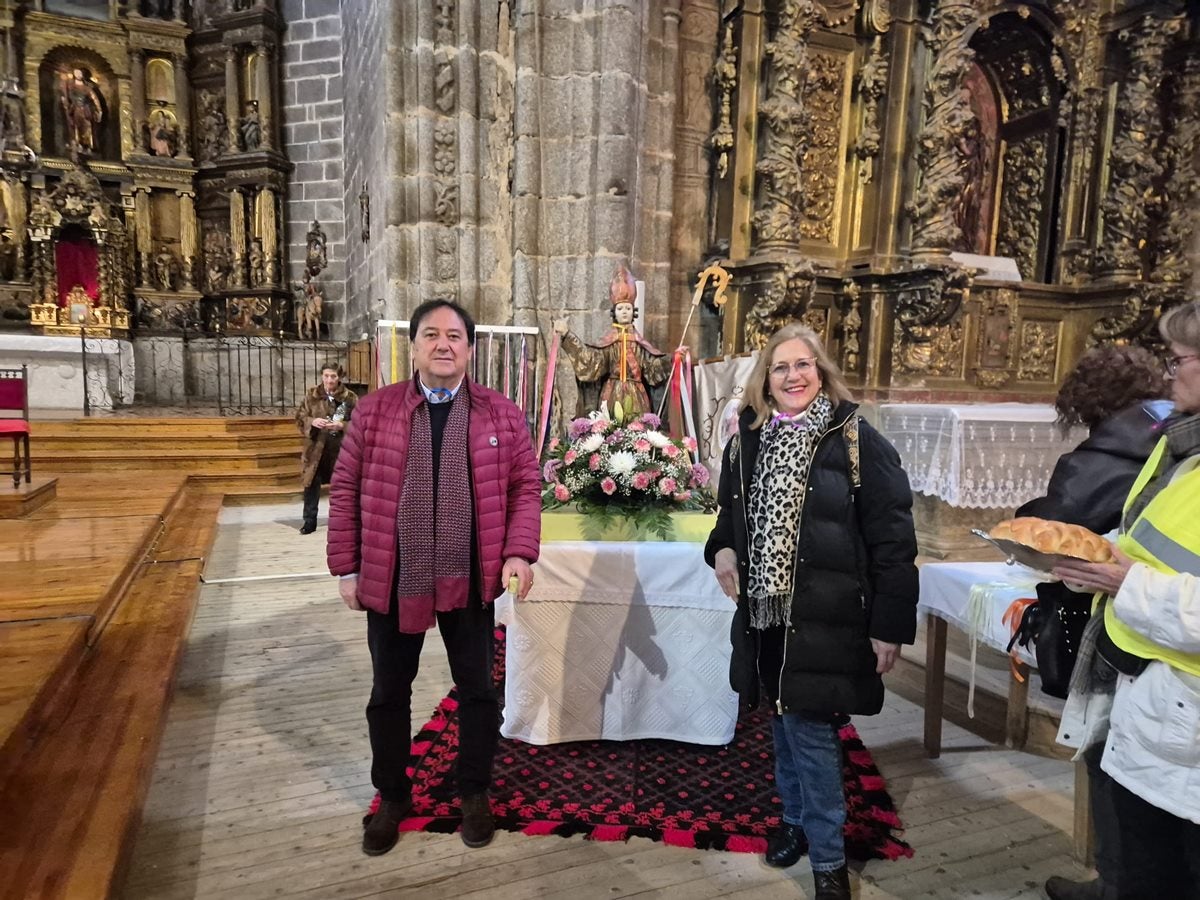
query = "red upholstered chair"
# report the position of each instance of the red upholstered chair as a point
(14, 397)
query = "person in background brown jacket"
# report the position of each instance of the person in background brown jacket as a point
(322, 418)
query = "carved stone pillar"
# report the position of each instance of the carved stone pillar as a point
(187, 238)
(266, 109)
(145, 246)
(183, 104)
(1133, 166)
(137, 81)
(269, 233)
(233, 102)
(237, 238)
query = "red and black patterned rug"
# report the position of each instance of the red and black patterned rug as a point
(720, 798)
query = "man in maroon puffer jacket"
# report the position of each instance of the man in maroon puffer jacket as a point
(435, 506)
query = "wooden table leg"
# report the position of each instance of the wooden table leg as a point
(935, 683)
(1083, 836)
(1016, 725)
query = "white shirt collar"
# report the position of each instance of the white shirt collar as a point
(434, 396)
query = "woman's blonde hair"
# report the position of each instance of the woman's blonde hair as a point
(1181, 325)
(758, 395)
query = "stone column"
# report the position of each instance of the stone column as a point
(265, 215)
(145, 247)
(233, 102)
(187, 238)
(137, 80)
(266, 110)
(183, 104)
(237, 238)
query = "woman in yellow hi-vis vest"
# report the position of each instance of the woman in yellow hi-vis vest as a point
(1137, 681)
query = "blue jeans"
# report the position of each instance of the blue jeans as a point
(808, 776)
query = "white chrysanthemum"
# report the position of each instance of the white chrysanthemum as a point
(591, 443)
(622, 462)
(657, 439)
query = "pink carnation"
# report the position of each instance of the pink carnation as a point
(641, 445)
(561, 494)
(683, 496)
(553, 444)
(570, 456)
(641, 480)
(700, 475)
(689, 444)
(598, 426)
(667, 486)
(636, 426)
(608, 485)
(594, 461)
(670, 451)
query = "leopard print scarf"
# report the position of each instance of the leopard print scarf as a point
(776, 502)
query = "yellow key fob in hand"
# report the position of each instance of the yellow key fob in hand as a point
(514, 585)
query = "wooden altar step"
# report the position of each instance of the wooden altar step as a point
(88, 654)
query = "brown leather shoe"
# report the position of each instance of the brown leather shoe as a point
(833, 885)
(478, 826)
(383, 830)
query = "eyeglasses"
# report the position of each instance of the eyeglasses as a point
(1174, 362)
(800, 367)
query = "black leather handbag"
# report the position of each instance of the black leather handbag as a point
(1054, 625)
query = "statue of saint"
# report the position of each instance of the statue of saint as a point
(258, 271)
(623, 360)
(315, 258)
(164, 134)
(83, 109)
(251, 127)
(164, 270)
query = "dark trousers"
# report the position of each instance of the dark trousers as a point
(1159, 852)
(312, 497)
(1104, 816)
(467, 635)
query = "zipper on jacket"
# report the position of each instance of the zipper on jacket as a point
(796, 558)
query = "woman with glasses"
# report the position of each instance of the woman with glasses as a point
(814, 541)
(1136, 687)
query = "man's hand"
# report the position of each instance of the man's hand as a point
(1107, 577)
(348, 588)
(518, 567)
(885, 655)
(725, 565)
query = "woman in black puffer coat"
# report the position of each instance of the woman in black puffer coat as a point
(814, 541)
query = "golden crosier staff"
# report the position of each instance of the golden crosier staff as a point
(721, 274)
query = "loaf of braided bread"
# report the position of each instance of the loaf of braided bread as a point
(1046, 536)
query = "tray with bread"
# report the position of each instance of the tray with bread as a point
(1041, 544)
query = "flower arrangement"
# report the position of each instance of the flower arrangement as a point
(608, 467)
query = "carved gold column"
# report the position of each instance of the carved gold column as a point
(33, 104)
(237, 237)
(266, 110)
(1133, 167)
(233, 103)
(145, 246)
(269, 233)
(187, 238)
(787, 132)
(183, 104)
(750, 51)
(941, 169)
(137, 81)
(902, 37)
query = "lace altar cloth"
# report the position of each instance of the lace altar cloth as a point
(989, 456)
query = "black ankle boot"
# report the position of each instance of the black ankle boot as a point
(1059, 888)
(785, 846)
(833, 885)
(381, 833)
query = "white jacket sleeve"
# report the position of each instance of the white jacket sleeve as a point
(1165, 608)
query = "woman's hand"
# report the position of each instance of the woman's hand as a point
(725, 564)
(320, 423)
(1107, 577)
(885, 655)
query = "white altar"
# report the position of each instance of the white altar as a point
(619, 640)
(56, 370)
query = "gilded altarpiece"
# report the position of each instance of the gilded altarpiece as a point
(963, 195)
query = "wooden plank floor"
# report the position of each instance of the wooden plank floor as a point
(263, 776)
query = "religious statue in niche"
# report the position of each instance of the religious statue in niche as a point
(258, 269)
(624, 361)
(164, 270)
(315, 256)
(211, 137)
(162, 133)
(12, 117)
(216, 261)
(83, 108)
(308, 302)
(250, 127)
(364, 212)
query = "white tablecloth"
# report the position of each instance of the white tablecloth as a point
(617, 641)
(973, 597)
(990, 456)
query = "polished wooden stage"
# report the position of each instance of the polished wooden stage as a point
(99, 591)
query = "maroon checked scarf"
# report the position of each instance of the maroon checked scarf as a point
(435, 563)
